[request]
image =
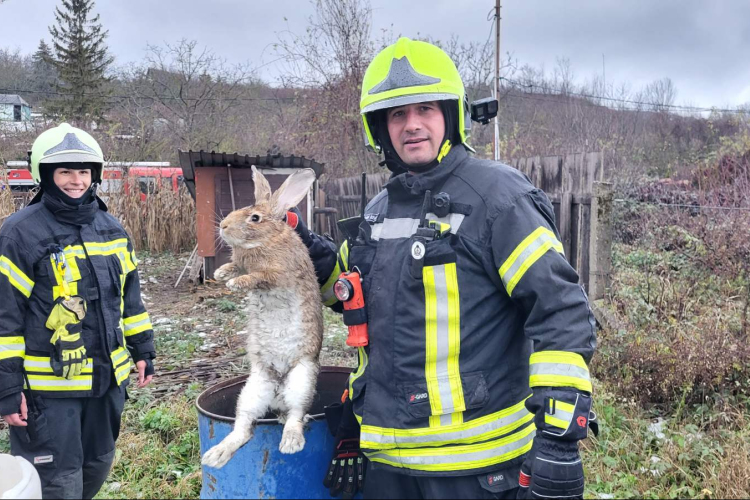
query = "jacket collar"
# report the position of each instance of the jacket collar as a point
(408, 185)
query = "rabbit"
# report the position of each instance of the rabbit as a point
(285, 317)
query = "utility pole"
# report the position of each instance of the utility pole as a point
(497, 78)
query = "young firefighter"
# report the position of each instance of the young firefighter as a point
(475, 380)
(71, 311)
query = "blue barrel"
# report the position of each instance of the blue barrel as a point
(258, 469)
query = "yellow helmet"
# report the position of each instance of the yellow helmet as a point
(408, 72)
(65, 144)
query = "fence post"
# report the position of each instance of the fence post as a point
(600, 249)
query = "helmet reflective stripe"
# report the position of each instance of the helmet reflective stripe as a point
(410, 72)
(401, 75)
(65, 144)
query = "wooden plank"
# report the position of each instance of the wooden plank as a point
(600, 254)
(584, 246)
(206, 209)
(564, 225)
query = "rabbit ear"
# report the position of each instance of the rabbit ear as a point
(262, 187)
(293, 191)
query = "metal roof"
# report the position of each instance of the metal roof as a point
(14, 99)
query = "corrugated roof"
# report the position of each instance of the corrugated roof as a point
(13, 99)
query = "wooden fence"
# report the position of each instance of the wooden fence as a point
(575, 184)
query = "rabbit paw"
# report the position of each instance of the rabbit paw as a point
(223, 274)
(237, 284)
(218, 456)
(292, 441)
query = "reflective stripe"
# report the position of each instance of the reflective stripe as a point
(326, 291)
(391, 229)
(121, 364)
(344, 255)
(137, 324)
(17, 278)
(442, 343)
(122, 373)
(42, 364)
(451, 458)
(561, 415)
(57, 291)
(117, 247)
(482, 429)
(559, 369)
(526, 254)
(12, 347)
(361, 367)
(59, 384)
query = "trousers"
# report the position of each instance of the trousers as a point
(72, 446)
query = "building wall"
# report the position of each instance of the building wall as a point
(6, 112)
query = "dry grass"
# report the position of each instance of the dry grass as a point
(165, 221)
(6, 197)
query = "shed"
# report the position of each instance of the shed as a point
(14, 108)
(222, 182)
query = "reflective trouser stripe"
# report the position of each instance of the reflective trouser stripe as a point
(12, 347)
(443, 339)
(17, 278)
(559, 369)
(466, 457)
(526, 254)
(137, 324)
(42, 364)
(59, 384)
(482, 429)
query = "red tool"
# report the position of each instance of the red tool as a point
(348, 289)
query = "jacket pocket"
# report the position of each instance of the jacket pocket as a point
(455, 394)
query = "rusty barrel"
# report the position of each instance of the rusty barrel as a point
(258, 469)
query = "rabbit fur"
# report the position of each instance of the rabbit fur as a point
(285, 319)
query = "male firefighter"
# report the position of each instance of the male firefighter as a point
(70, 316)
(474, 382)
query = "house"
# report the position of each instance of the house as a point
(14, 109)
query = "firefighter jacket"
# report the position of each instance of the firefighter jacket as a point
(100, 268)
(461, 327)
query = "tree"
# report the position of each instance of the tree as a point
(81, 60)
(43, 71)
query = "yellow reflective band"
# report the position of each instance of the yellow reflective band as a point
(556, 422)
(12, 347)
(442, 343)
(137, 324)
(566, 407)
(326, 290)
(363, 360)
(58, 291)
(117, 247)
(444, 150)
(559, 369)
(344, 254)
(122, 373)
(526, 254)
(16, 277)
(59, 384)
(466, 457)
(42, 364)
(482, 429)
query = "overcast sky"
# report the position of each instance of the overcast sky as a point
(702, 45)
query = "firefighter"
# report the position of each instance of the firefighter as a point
(475, 380)
(70, 320)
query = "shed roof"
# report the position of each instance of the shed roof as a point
(14, 99)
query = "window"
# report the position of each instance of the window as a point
(17, 113)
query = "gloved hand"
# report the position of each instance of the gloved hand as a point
(346, 474)
(553, 468)
(294, 219)
(68, 353)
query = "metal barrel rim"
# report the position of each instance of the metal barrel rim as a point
(241, 380)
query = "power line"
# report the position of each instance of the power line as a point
(167, 98)
(622, 101)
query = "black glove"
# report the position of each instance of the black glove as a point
(346, 474)
(553, 468)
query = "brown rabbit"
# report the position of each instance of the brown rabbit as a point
(285, 318)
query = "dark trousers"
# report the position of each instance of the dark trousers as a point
(74, 454)
(382, 482)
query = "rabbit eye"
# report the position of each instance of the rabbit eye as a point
(255, 218)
